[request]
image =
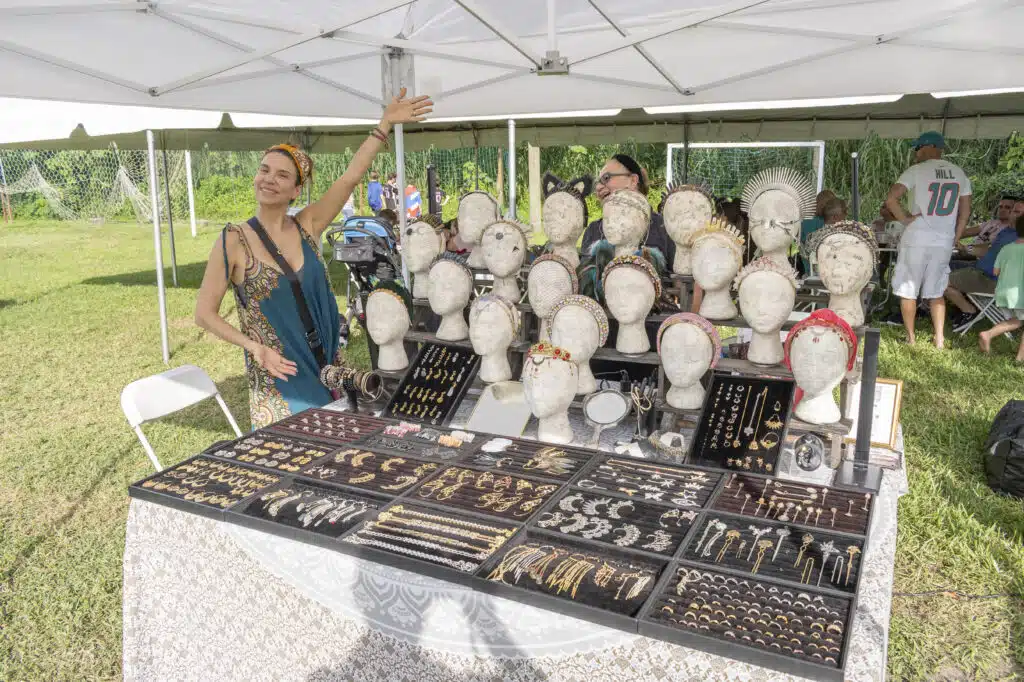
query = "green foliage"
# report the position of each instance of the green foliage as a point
(221, 197)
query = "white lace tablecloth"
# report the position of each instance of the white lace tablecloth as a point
(206, 600)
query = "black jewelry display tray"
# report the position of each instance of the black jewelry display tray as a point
(410, 379)
(639, 624)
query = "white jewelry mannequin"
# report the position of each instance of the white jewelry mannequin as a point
(564, 214)
(820, 350)
(493, 325)
(549, 384)
(717, 257)
(451, 285)
(387, 320)
(503, 246)
(477, 210)
(767, 293)
(846, 254)
(631, 286)
(626, 219)
(579, 325)
(551, 278)
(423, 242)
(776, 200)
(685, 209)
(689, 346)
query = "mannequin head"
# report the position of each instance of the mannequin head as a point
(504, 246)
(564, 212)
(820, 349)
(579, 325)
(451, 284)
(493, 324)
(549, 380)
(477, 210)
(717, 254)
(551, 278)
(847, 254)
(686, 209)
(388, 313)
(631, 286)
(627, 217)
(689, 346)
(422, 243)
(767, 293)
(776, 200)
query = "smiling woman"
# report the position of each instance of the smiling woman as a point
(288, 315)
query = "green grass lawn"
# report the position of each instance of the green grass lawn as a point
(78, 321)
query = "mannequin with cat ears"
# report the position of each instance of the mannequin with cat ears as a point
(564, 214)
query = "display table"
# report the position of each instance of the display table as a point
(210, 600)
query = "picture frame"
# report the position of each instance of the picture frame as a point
(885, 414)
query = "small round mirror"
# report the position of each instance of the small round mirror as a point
(604, 409)
(809, 452)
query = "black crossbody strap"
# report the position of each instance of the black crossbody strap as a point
(312, 337)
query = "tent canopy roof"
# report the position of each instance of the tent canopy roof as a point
(492, 57)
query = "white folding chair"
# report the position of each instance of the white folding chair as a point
(987, 310)
(166, 393)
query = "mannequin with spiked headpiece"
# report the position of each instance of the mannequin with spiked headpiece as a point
(451, 285)
(686, 209)
(717, 257)
(423, 242)
(477, 210)
(494, 323)
(631, 286)
(564, 214)
(776, 200)
(388, 318)
(766, 290)
(503, 246)
(846, 254)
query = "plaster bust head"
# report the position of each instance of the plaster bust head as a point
(847, 254)
(579, 325)
(504, 246)
(494, 322)
(551, 278)
(627, 217)
(689, 346)
(549, 380)
(686, 209)
(717, 254)
(820, 350)
(631, 286)
(564, 211)
(767, 293)
(477, 210)
(424, 241)
(776, 200)
(388, 312)
(451, 284)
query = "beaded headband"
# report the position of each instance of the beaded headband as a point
(427, 219)
(588, 304)
(569, 269)
(514, 316)
(797, 185)
(765, 264)
(850, 227)
(393, 288)
(453, 258)
(631, 199)
(524, 230)
(720, 227)
(697, 321)
(636, 262)
(303, 162)
(825, 317)
(701, 189)
(479, 191)
(543, 350)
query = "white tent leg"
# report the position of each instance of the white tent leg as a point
(191, 192)
(400, 169)
(512, 169)
(158, 248)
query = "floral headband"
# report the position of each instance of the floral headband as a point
(569, 269)
(393, 288)
(540, 351)
(588, 304)
(850, 227)
(825, 317)
(455, 259)
(303, 162)
(514, 316)
(636, 262)
(699, 322)
(765, 264)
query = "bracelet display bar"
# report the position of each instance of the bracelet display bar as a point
(737, 564)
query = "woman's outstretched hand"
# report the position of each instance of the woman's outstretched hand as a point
(402, 110)
(276, 364)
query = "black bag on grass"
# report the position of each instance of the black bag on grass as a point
(1004, 450)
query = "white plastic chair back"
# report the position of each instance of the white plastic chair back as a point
(166, 393)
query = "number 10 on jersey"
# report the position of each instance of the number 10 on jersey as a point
(943, 199)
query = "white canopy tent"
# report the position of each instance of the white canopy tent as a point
(488, 57)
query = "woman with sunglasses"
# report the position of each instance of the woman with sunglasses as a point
(282, 361)
(623, 172)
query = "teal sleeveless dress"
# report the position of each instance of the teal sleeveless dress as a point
(268, 314)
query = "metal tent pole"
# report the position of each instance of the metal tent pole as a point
(511, 169)
(158, 248)
(855, 194)
(170, 222)
(191, 192)
(400, 170)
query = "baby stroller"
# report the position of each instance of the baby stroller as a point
(368, 248)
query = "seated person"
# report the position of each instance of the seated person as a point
(809, 226)
(1009, 268)
(980, 276)
(834, 211)
(985, 233)
(886, 228)
(623, 172)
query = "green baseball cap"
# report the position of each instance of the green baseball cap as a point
(931, 138)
